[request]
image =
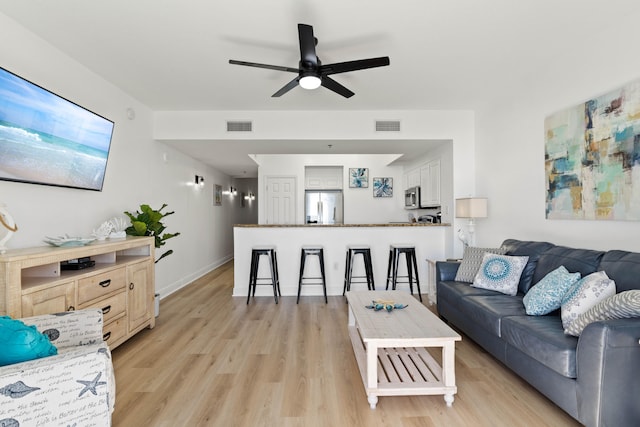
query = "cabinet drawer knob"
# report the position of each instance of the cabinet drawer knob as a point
(131, 286)
(71, 308)
(106, 309)
(105, 283)
(106, 336)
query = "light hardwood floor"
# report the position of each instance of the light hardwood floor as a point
(212, 360)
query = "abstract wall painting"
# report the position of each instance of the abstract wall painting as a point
(382, 187)
(358, 177)
(592, 158)
(217, 195)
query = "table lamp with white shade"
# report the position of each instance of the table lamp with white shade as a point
(472, 208)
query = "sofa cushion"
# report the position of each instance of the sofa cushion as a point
(471, 261)
(583, 261)
(500, 273)
(526, 248)
(546, 295)
(619, 306)
(453, 291)
(542, 338)
(584, 294)
(488, 311)
(623, 268)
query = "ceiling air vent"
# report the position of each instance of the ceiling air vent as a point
(387, 125)
(239, 126)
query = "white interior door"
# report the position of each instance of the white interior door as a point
(281, 200)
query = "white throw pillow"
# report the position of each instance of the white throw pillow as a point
(583, 295)
(619, 306)
(500, 273)
(471, 261)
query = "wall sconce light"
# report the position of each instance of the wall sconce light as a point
(199, 180)
(231, 191)
(472, 208)
(250, 196)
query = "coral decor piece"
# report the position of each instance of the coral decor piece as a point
(118, 226)
(9, 224)
(103, 231)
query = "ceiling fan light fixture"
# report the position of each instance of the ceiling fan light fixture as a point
(310, 82)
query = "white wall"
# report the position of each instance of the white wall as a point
(136, 172)
(247, 214)
(510, 142)
(360, 207)
(456, 125)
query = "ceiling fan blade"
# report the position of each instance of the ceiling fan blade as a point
(307, 45)
(333, 85)
(361, 64)
(268, 67)
(286, 88)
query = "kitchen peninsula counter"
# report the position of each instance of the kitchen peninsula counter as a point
(389, 224)
(429, 239)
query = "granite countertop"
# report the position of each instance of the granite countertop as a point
(390, 224)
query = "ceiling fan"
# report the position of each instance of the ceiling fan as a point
(311, 72)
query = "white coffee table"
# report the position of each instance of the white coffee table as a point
(391, 347)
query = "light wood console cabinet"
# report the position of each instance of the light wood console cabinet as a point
(121, 283)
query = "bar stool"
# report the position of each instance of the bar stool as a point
(274, 279)
(409, 252)
(308, 251)
(352, 251)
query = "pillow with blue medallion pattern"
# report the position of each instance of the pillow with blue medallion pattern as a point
(471, 261)
(546, 295)
(500, 273)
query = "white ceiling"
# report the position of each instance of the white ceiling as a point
(445, 54)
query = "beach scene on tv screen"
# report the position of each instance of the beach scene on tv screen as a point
(46, 139)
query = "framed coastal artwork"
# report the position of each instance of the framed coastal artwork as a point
(217, 195)
(592, 158)
(358, 177)
(382, 187)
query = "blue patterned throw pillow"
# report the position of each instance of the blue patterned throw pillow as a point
(546, 295)
(500, 273)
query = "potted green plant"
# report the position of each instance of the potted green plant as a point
(148, 223)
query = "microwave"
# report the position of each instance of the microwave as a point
(412, 198)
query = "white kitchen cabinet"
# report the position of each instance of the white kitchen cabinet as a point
(323, 178)
(430, 184)
(413, 178)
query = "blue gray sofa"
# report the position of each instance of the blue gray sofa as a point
(595, 378)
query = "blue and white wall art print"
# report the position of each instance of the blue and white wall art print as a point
(358, 177)
(382, 187)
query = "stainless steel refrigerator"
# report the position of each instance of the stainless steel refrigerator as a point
(323, 207)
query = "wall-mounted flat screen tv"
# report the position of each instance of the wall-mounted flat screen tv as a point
(46, 139)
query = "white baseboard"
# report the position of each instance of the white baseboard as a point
(179, 284)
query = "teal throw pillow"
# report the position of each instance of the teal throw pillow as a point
(546, 295)
(20, 342)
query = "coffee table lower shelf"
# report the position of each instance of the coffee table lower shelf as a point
(401, 371)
